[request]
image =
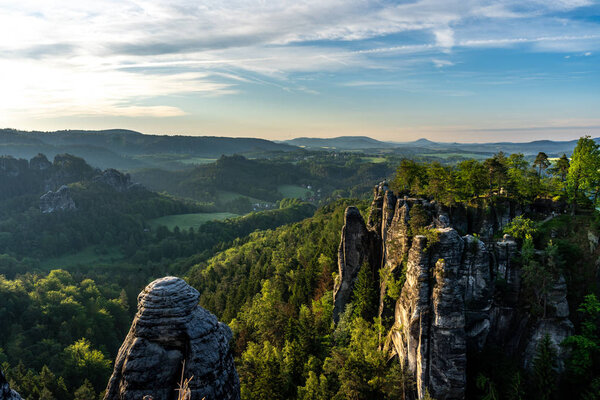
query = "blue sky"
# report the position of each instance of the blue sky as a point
(473, 71)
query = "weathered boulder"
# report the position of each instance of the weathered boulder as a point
(171, 334)
(6, 393)
(359, 246)
(60, 200)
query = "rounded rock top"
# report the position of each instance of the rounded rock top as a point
(352, 212)
(168, 296)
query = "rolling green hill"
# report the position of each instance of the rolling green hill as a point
(124, 149)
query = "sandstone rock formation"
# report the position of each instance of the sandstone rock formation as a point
(115, 179)
(462, 288)
(170, 329)
(443, 310)
(57, 201)
(6, 393)
(40, 163)
(66, 169)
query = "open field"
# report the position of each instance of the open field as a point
(463, 155)
(374, 160)
(197, 160)
(293, 191)
(88, 256)
(225, 196)
(186, 221)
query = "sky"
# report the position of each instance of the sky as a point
(445, 70)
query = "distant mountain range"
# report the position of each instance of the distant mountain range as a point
(364, 143)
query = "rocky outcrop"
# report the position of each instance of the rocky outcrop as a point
(358, 247)
(115, 179)
(172, 336)
(57, 201)
(12, 167)
(40, 163)
(6, 393)
(67, 169)
(462, 288)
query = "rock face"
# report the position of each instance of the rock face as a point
(443, 310)
(462, 288)
(57, 201)
(169, 331)
(357, 248)
(6, 393)
(556, 325)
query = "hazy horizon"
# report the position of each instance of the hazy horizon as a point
(307, 137)
(447, 71)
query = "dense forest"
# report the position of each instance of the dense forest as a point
(270, 274)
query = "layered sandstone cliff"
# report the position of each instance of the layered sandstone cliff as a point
(461, 291)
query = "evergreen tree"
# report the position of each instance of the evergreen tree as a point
(583, 178)
(583, 365)
(561, 167)
(497, 171)
(411, 178)
(365, 293)
(544, 370)
(515, 388)
(487, 387)
(541, 162)
(85, 392)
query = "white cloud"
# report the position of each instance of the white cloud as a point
(442, 63)
(444, 37)
(44, 90)
(83, 57)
